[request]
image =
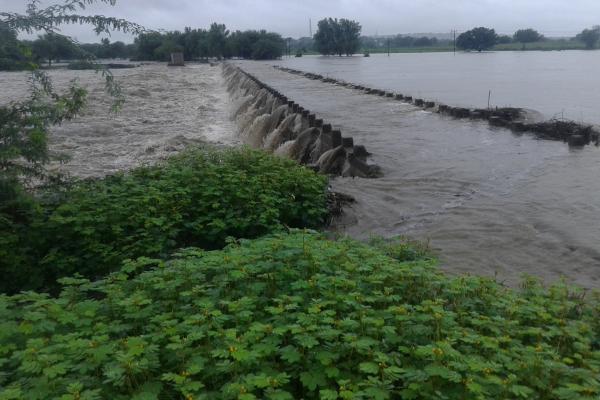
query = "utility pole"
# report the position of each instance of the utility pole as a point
(454, 33)
(388, 43)
(310, 26)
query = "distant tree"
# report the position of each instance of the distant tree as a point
(477, 39)
(325, 40)
(337, 36)
(146, 44)
(269, 46)
(257, 45)
(349, 36)
(425, 42)
(118, 50)
(55, 47)
(504, 39)
(13, 54)
(589, 37)
(525, 36)
(217, 40)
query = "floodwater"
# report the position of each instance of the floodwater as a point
(488, 201)
(166, 110)
(558, 84)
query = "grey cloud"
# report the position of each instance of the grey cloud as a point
(291, 17)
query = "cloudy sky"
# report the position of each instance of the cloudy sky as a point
(291, 17)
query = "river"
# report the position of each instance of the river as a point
(166, 109)
(488, 201)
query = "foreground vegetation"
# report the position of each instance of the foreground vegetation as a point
(295, 316)
(199, 198)
(151, 306)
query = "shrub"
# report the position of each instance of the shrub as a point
(297, 317)
(196, 199)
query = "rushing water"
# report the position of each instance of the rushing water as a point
(490, 202)
(556, 83)
(166, 109)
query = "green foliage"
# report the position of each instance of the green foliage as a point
(337, 36)
(477, 39)
(589, 37)
(525, 36)
(401, 248)
(54, 47)
(256, 45)
(216, 42)
(199, 199)
(13, 54)
(297, 317)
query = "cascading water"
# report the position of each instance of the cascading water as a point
(267, 120)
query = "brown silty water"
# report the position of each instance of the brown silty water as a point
(488, 201)
(166, 110)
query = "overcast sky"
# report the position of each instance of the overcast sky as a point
(383, 17)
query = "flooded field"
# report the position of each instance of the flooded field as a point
(166, 109)
(555, 83)
(489, 202)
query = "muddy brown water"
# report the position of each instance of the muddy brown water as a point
(488, 201)
(166, 110)
(557, 84)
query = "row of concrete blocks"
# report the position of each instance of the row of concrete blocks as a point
(507, 117)
(338, 155)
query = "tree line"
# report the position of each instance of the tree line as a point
(342, 37)
(482, 38)
(215, 42)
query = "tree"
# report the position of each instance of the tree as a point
(146, 44)
(477, 39)
(504, 39)
(524, 36)
(325, 41)
(54, 47)
(589, 37)
(217, 40)
(13, 55)
(337, 37)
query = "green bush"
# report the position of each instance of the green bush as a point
(198, 199)
(297, 317)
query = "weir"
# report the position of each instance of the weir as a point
(268, 120)
(570, 132)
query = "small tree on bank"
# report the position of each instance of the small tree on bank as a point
(589, 37)
(337, 37)
(525, 36)
(477, 39)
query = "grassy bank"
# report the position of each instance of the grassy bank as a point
(167, 313)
